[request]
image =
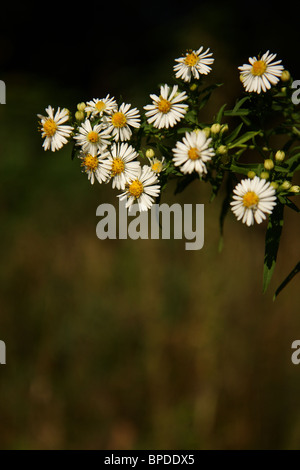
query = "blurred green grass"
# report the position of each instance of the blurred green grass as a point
(122, 344)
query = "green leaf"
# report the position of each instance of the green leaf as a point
(243, 138)
(220, 114)
(240, 102)
(287, 280)
(233, 134)
(273, 235)
(244, 168)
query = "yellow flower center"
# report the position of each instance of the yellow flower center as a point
(164, 106)
(93, 137)
(191, 59)
(117, 166)
(136, 188)
(250, 199)
(259, 67)
(100, 105)
(50, 127)
(193, 154)
(156, 167)
(118, 119)
(90, 163)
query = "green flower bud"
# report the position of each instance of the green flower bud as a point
(274, 184)
(251, 174)
(279, 156)
(150, 153)
(81, 106)
(295, 189)
(285, 186)
(224, 128)
(206, 131)
(215, 128)
(222, 150)
(269, 164)
(285, 76)
(79, 115)
(264, 175)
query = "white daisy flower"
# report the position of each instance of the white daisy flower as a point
(193, 64)
(95, 166)
(121, 120)
(142, 189)
(121, 164)
(157, 165)
(92, 139)
(53, 129)
(193, 152)
(261, 73)
(97, 107)
(253, 199)
(167, 108)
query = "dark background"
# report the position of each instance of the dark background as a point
(134, 344)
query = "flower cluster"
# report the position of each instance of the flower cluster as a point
(140, 152)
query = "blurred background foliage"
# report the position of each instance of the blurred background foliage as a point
(122, 344)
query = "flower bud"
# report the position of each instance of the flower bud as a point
(206, 131)
(224, 128)
(274, 184)
(215, 128)
(222, 150)
(279, 156)
(285, 76)
(150, 153)
(81, 106)
(193, 87)
(285, 186)
(79, 115)
(251, 174)
(264, 175)
(269, 164)
(295, 189)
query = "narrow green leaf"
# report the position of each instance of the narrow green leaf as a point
(240, 102)
(272, 241)
(244, 168)
(220, 114)
(243, 138)
(287, 280)
(233, 134)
